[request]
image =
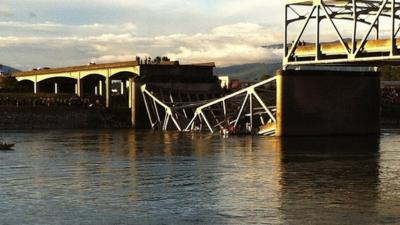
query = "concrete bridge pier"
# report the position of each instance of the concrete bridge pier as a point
(78, 87)
(321, 102)
(35, 87)
(133, 89)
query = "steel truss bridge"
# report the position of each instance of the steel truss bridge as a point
(361, 33)
(364, 31)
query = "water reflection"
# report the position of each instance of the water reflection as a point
(330, 180)
(72, 177)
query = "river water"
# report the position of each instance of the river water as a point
(127, 177)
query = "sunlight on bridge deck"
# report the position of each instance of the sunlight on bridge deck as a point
(336, 48)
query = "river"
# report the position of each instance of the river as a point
(125, 177)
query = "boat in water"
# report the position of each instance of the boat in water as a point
(6, 146)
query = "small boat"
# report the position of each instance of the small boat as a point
(6, 146)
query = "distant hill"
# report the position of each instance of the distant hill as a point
(7, 69)
(249, 72)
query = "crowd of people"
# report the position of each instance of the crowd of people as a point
(391, 95)
(37, 101)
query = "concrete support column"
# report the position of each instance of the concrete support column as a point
(133, 101)
(56, 88)
(100, 89)
(35, 87)
(108, 85)
(122, 87)
(130, 92)
(79, 87)
(312, 103)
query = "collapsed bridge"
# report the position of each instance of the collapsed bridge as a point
(249, 110)
(341, 97)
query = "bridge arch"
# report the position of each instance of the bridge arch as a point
(131, 70)
(23, 79)
(102, 73)
(57, 85)
(121, 88)
(26, 85)
(123, 75)
(93, 84)
(54, 76)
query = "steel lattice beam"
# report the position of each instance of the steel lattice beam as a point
(213, 114)
(350, 47)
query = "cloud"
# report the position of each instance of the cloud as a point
(119, 58)
(6, 11)
(230, 44)
(75, 31)
(57, 29)
(238, 7)
(226, 45)
(32, 15)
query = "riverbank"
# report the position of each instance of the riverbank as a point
(62, 117)
(48, 111)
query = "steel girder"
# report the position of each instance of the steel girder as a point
(354, 47)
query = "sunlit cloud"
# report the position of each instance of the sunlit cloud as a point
(226, 45)
(6, 11)
(226, 32)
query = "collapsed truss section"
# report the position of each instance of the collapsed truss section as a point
(250, 110)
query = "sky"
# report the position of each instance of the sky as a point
(56, 33)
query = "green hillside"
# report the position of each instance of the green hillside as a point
(249, 72)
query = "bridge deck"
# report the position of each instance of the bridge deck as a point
(363, 19)
(336, 48)
(374, 53)
(76, 68)
(311, 2)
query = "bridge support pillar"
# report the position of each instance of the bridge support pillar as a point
(133, 88)
(314, 103)
(35, 87)
(123, 85)
(100, 88)
(108, 91)
(130, 93)
(56, 88)
(78, 90)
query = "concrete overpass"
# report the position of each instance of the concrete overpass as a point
(104, 80)
(123, 71)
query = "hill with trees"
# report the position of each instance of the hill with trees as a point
(249, 72)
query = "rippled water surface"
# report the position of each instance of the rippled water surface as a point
(127, 177)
